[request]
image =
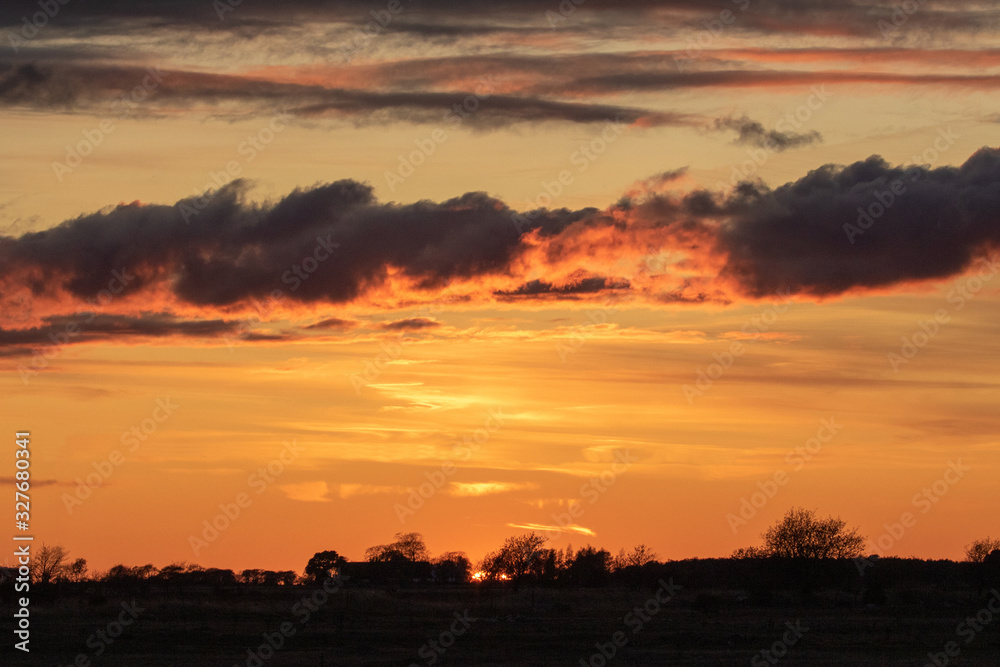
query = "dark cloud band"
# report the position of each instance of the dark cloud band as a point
(837, 229)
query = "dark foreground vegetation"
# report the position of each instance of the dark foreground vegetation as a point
(695, 612)
(806, 596)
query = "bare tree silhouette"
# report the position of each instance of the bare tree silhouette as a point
(49, 564)
(637, 557)
(980, 549)
(78, 570)
(407, 545)
(801, 534)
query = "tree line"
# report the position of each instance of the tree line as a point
(800, 535)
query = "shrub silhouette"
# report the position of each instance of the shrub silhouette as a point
(323, 565)
(801, 534)
(978, 551)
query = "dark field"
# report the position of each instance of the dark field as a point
(542, 626)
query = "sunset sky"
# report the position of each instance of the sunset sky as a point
(638, 258)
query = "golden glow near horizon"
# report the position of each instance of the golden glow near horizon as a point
(603, 383)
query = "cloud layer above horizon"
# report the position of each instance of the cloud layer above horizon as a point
(196, 264)
(840, 229)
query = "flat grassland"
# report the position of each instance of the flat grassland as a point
(484, 625)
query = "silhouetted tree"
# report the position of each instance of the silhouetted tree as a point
(268, 577)
(78, 570)
(136, 572)
(407, 558)
(174, 572)
(980, 549)
(252, 576)
(390, 566)
(323, 565)
(49, 564)
(147, 571)
(516, 558)
(452, 566)
(984, 555)
(749, 552)
(412, 546)
(800, 534)
(383, 553)
(590, 567)
(215, 576)
(548, 565)
(128, 580)
(639, 556)
(408, 545)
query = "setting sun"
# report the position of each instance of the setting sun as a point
(633, 280)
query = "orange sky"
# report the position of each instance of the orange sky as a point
(568, 353)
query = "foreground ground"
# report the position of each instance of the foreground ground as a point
(482, 626)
